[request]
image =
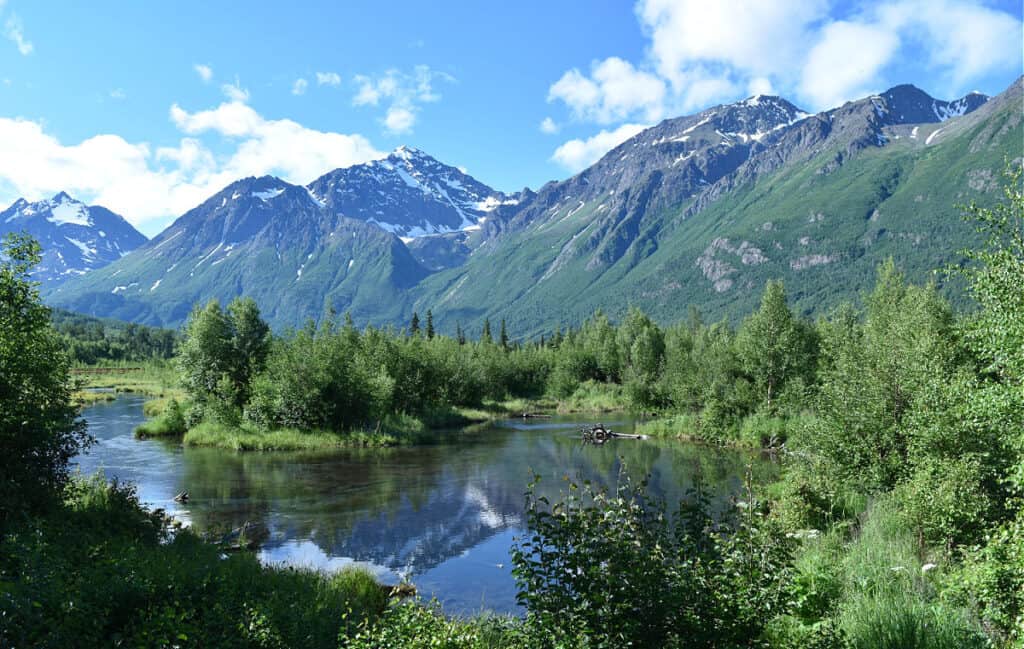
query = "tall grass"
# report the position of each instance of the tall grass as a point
(595, 397)
(394, 431)
(889, 601)
(100, 571)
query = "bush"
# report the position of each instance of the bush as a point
(103, 572)
(613, 569)
(412, 626)
(170, 422)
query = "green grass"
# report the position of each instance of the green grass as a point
(681, 426)
(100, 571)
(395, 431)
(594, 397)
(84, 398)
(155, 378)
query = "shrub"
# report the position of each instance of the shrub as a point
(613, 568)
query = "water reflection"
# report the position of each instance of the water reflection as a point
(442, 515)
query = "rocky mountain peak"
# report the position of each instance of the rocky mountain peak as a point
(75, 237)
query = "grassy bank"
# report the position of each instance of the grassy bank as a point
(755, 431)
(151, 378)
(98, 570)
(394, 431)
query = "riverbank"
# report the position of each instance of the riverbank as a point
(755, 431)
(94, 384)
(166, 413)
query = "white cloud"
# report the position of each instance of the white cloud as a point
(699, 53)
(399, 120)
(576, 155)
(299, 87)
(762, 38)
(205, 72)
(235, 91)
(328, 79)
(614, 91)
(548, 125)
(834, 74)
(117, 93)
(15, 32)
(147, 186)
(402, 92)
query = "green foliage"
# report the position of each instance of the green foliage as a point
(220, 353)
(103, 572)
(405, 626)
(617, 570)
(169, 422)
(93, 341)
(772, 347)
(39, 427)
(873, 374)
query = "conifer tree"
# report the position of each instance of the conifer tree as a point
(503, 335)
(414, 324)
(485, 337)
(430, 325)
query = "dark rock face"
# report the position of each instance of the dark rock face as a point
(76, 238)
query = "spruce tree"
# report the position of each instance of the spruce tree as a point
(414, 324)
(485, 337)
(459, 334)
(430, 325)
(503, 335)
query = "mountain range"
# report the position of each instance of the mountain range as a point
(700, 210)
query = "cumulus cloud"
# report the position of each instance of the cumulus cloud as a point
(403, 93)
(15, 32)
(699, 53)
(576, 155)
(614, 91)
(832, 76)
(148, 185)
(399, 120)
(328, 79)
(549, 126)
(118, 93)
(205, 72)
(235, 91)
(299, 87)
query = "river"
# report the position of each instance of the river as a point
(443, 515)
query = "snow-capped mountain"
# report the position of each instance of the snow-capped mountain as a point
(76, 238)
(259, 237)
(410, 194)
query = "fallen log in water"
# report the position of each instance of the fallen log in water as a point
(599, 435)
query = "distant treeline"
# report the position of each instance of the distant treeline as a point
(102, 340)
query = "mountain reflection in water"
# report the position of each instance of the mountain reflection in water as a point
(442, 515)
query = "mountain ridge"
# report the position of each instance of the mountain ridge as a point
(444, 241)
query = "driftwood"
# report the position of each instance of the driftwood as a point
(598, 435)
(250, 536)
(533, 415)
(400, 591)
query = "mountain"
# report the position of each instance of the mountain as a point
(408, 193)
(700, 210)
(76, 238)
(260, 237)
(704, 209)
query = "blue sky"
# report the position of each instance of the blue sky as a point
(147, 108)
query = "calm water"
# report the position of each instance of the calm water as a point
(443, 515)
